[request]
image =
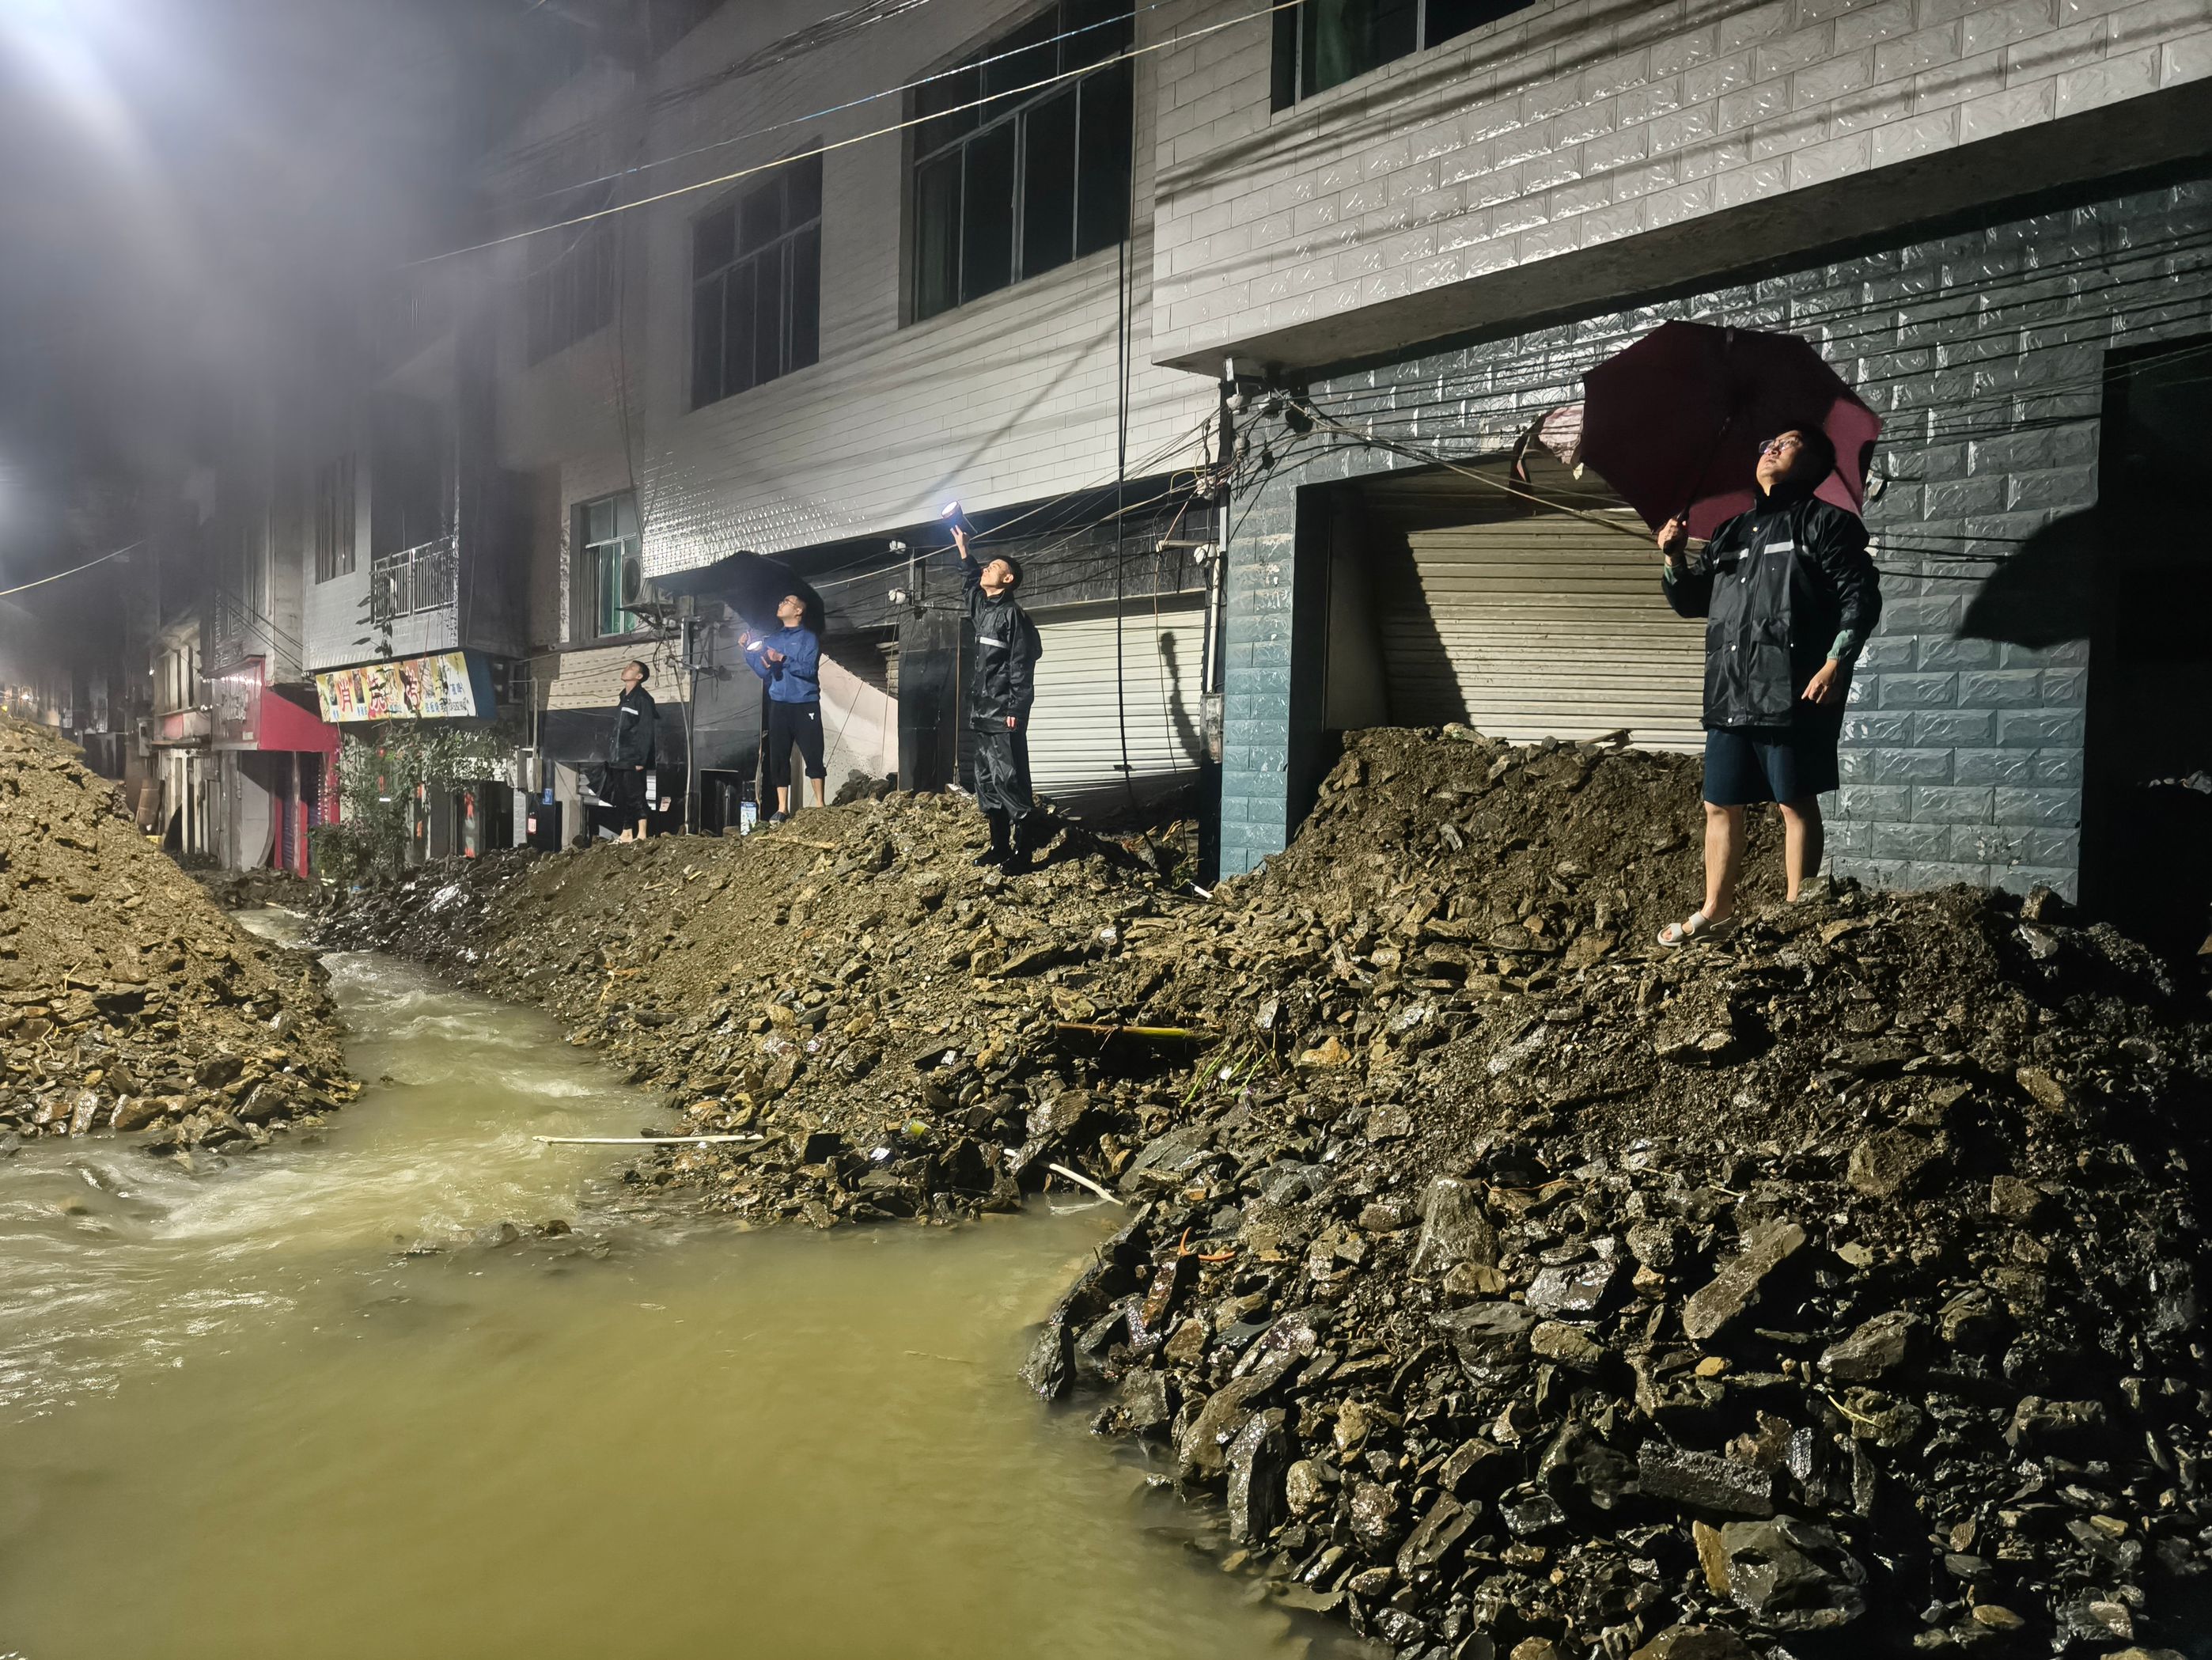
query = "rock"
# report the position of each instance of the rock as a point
(2045, 1090)
(1792, 1576)
(1432, 1542)
(1573, 1291)
(1567, 1345)
(2096, 1620)
(1144, 1400)
(1535, 1648)
(1453, 1228)
(1736, 1289)
(1538, 1512)
(2056, 1426)
(1702, 1481)
(1374, 1513)
(2013, 1200)
(1476, 1467)
(1888, 1163)
(1255, 1459)
(135, 1112)
(1695, 1643)
(1491, 1340)
(1873, 1348)
(1305, 1488)
(1388, 1123)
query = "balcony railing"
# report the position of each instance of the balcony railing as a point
(413, 580)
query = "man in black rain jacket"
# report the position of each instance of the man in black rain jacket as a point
(1789, 596)
(1000, 693)
(630, 752)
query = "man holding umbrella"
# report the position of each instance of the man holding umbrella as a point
(1790, 596)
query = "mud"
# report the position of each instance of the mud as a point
(128, 1000)
(1505, 1279)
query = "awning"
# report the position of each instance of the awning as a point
(286, 725)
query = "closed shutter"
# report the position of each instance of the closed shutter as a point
(1540, 627)
(1075, 728)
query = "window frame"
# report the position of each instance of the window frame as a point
(1288, 64)
(336, 527)
(796, 253)
(572, 297)
(1095, 65)
(585, 592)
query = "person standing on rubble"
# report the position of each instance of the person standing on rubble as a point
(630, 752)
(1789, 597)
(790, 662)
(999, 695)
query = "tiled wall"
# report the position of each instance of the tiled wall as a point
(1579, 123)
(1984, 352)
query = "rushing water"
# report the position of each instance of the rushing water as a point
(244, 1413)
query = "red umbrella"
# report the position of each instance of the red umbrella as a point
(1675, 422)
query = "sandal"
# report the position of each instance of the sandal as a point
(1699, 927)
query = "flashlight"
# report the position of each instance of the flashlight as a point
(956, 520)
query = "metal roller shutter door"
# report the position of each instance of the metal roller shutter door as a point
(1075, 729)
(1541, 626)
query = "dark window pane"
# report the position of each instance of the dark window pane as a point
(737, 322)
(986, 230)
(1048, 183)
(804, 176)
(1447, 18)
(713, 242)
(951, 93)
(1103, 188)
(1097, 30)
(1347, 38)
(1020, 57)
(706, 342)
(936, 236)
(806, 297)
(760, 216)
(768, 316)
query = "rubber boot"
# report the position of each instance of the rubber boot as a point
(1023, 856)
(1001, 848)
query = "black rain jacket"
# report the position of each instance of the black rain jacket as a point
(1776, 584)
(1007, 651)
(632, 744)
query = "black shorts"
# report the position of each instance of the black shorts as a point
(789, 724)
(1747, 764)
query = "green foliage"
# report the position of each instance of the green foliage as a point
(379, 772)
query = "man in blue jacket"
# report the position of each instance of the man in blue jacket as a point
(1790, 596)
(790, 661)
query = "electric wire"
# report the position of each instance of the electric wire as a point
(694, 188)
(25, 587)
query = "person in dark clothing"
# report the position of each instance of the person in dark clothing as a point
(1789, 596)
(631, 751)
(999, 695)
(790, 661)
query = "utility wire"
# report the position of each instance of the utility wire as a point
(669, 195)
(25, 587)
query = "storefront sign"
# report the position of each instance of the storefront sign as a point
(440, 687)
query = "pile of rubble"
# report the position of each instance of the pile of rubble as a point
(1516, 1287)
(127, 999)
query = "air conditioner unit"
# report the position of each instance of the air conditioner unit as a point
(635, 590)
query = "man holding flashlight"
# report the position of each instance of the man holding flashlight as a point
(999, 695)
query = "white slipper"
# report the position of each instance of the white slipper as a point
(1699, 927)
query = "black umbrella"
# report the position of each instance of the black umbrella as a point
(750, 583)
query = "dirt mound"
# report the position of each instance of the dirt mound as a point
(1507, 1280)
(126, 999)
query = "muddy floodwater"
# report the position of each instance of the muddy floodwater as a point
(253, 1411)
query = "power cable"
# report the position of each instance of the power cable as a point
(671, 194)
(25, 587)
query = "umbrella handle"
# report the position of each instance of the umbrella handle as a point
(1705, 471)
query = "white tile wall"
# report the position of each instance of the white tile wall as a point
(1006, 400)
(1585, 121)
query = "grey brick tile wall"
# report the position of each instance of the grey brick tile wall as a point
(1962, 758)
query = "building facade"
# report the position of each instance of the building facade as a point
(764, 290)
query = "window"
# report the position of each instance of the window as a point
(334, 520)
(572, 296)
(1038, 174)
(607, 539)
(1324, 42)
(757, 283)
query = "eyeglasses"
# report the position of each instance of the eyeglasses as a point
(1788, 440)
